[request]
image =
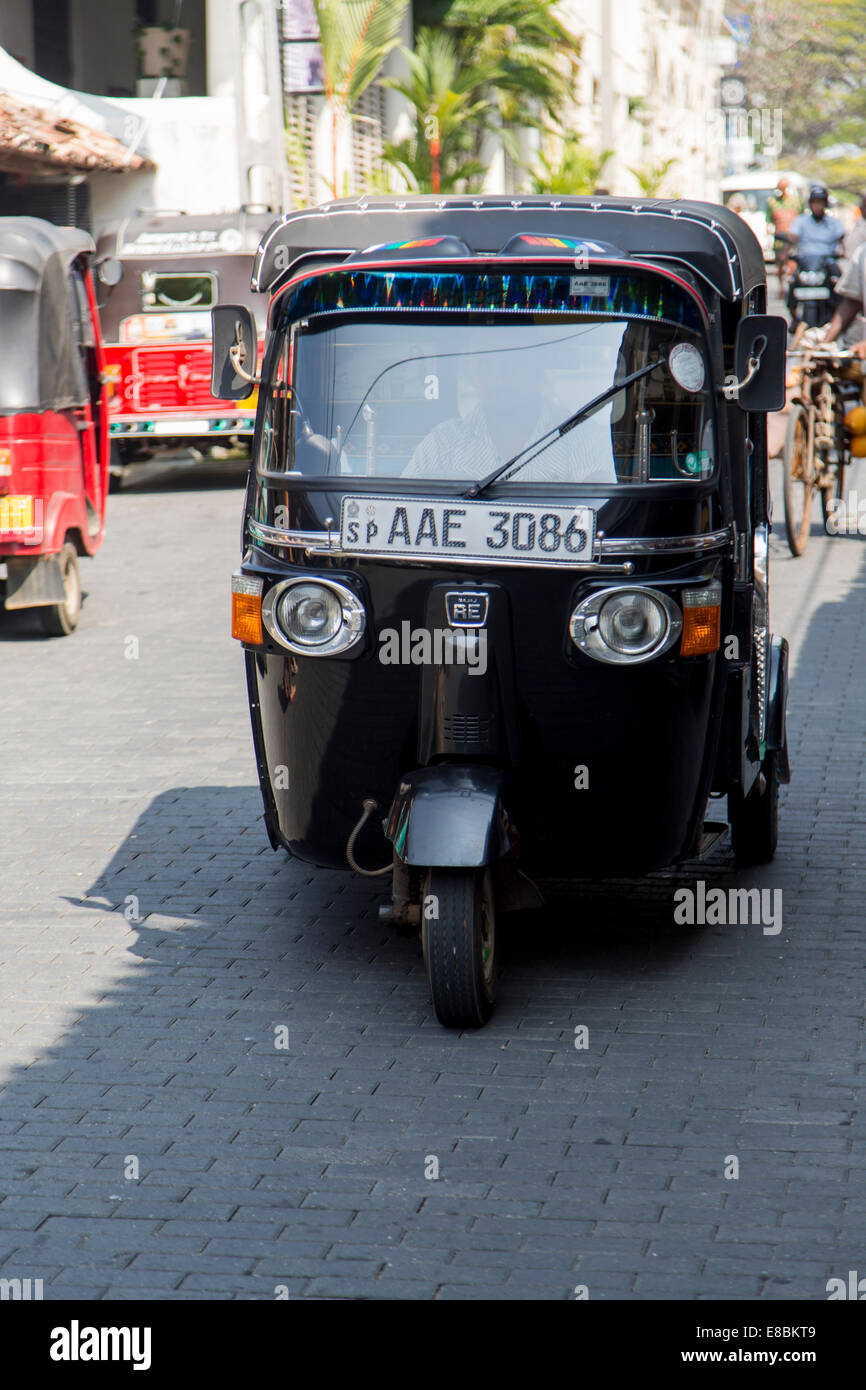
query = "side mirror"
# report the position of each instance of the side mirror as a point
(235, 352)
(760, 351)
(109, 271)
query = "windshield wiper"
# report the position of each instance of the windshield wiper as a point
(550, 437)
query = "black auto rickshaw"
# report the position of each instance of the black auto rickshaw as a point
(504, 593)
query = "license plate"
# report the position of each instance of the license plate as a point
(462, 530)
(16, 514)
(174, 427)
(821, 292)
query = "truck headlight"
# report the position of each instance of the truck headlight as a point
(624, 626)
(318, 617)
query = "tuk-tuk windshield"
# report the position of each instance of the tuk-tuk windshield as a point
(435, 393)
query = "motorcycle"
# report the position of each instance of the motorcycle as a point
(811, 294)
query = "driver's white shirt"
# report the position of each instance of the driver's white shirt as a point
(464, 448)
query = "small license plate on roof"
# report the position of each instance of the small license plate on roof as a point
(459, 529)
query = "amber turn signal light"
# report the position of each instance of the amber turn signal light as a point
(247, 609)
(702, 609)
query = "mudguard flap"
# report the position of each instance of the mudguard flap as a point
(451, 816)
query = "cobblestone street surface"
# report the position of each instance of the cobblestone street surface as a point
(155, 1142)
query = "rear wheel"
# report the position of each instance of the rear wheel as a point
(61, 619)
(754, 819)
(799, 481)
(458, 936)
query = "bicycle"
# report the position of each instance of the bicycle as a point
(817, 447)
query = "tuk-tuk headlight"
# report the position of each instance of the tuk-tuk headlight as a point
(625, 626)
(313, 617)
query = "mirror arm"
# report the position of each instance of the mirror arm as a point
(732, 388)
(237, 357)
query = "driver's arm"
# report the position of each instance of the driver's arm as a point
(844, 315)
(849, 287)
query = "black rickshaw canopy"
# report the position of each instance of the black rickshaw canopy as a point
(40, 361)
(713, 242)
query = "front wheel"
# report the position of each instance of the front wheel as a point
(754, 819)
(799, 480)
(458, 936)
(61, 619)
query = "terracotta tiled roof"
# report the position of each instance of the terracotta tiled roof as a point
(31, 137)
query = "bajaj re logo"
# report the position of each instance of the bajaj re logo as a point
(466, 607)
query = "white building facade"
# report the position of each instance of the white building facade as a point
(209, 124)
(648, 90)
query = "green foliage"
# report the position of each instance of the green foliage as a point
(809, 62)
(651, 177)
(533, 55)
(356, 37)
(502, 65)
(491, 65)
(575, 171)
(447, 102)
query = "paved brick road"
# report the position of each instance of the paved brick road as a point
(148, 1046)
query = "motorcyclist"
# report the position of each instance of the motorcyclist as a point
(815, 236)
(816, 233)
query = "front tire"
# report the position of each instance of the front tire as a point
(799, 481)
(458, 936)
(61, 619)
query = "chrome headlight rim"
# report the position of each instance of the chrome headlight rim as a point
(350, 632)
(583, 627)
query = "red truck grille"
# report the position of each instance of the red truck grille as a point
(172, 379)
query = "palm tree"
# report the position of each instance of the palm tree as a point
(576, 171)
(445, 95)
(356, 37)
(650, 177)
(532, 56)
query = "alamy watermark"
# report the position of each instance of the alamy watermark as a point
(762, 125)
(437, 647)
(846, 516)
(729, 907)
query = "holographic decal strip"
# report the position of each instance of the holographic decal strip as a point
(630, 295)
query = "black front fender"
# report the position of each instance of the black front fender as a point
(777, 704)
(451, 816)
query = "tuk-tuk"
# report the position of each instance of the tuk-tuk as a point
(161, 274)
(504, 594)
(53, 419)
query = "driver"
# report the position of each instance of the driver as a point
(508, 415)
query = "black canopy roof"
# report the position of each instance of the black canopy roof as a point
(711, 240)
(40, 364)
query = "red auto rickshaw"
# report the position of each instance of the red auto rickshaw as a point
(53, 419)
